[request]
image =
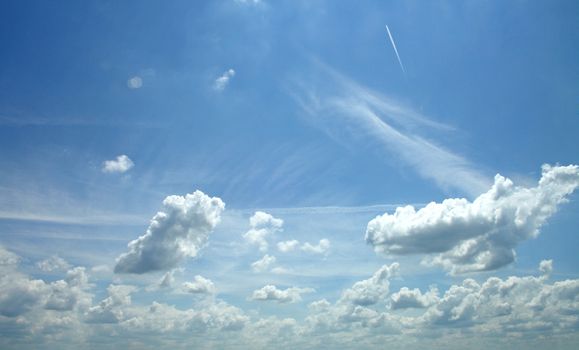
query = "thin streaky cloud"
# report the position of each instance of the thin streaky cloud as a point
(339, 102)
(395, 50)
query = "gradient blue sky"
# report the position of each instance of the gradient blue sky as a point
(315, 124)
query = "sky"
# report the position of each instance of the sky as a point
(237, 174)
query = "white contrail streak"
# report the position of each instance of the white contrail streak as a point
(395, 50)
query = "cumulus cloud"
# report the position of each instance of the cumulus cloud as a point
(263, 264)
(112, 308)
(479, 235)
(513, 304)
(321, 248)
(221, 83)
(413, 298)
(200, 285)
(176, 232)
(262, 225)
(288, 246)
(53, 263)
(121, 164)
(373, 289)
(19, 294)
(272, 293)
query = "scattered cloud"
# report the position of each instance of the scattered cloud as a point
(272, 293)
(288, 246)
(262, 225)
(321, 248)
(372, 290)
(120, 165)
(53, 263)
(516, 307)
(176, 232)
(263, 264)
(112, 308)
(135, 82)
(475, 236)
(200, 285)
(221, 83)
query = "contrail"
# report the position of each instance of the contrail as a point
(395, 50)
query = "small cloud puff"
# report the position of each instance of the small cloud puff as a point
(288, 246)
(221, 83)
(120, 165)
(262, 225)
(321, 248)
(263, 264)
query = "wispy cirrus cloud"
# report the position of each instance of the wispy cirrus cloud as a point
(343, 108)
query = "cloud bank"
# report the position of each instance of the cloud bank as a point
(475, 236)
(176, 232)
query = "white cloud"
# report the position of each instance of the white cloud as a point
(200, 285)
(263, 264)
(413, 298)
(111, 309)
(287, 246)
(321, 248)
(371, 290)
(479, 235)
(178, 231)
(135, 82)
(7, 258)
(262, 225)
(53, 263)
(271, 293)
(120, 165)
(221, 83)
(343, 108)
(19, 294)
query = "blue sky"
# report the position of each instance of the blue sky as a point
(306, 141)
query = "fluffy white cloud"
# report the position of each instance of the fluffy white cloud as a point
(288, 246)
(511, 305)
(321, 248)
(262, 225)
(178, 231)
(413, 298)
(200, 285)
(53, 263)
(221, 83)
(263, 264)
(120, 165)
(479, 235)
(111, 309)
(373, 289)
(289, 295)
(19, 294)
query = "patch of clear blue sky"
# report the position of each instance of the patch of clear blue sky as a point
(503, 74)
